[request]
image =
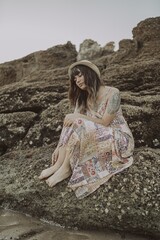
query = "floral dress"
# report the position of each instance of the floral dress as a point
(97, 152)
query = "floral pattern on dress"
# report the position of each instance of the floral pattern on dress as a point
(97, 152)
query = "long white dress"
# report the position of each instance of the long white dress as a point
(97, 152)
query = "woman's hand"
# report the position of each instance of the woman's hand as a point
(70, 118)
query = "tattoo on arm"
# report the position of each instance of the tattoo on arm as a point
(114, 103)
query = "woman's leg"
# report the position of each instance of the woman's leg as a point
(51, 170)
(62, 173)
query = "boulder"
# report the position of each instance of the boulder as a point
(128, 202)
(89, 49)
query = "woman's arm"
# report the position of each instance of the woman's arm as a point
(113, 105)
(103, 121)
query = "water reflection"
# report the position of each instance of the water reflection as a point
(16, 226)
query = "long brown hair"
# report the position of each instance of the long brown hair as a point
(83, 98)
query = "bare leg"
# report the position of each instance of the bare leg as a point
(49, 171)
(63, 172)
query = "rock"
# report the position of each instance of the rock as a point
(147, 37)
(108, 48)
(147, 30)
(89, 50)
(33, 103)
(18, 70)
(14, 127)
(7, 74)
(128, 202)
(19, 226)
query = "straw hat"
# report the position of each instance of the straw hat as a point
(85, 63)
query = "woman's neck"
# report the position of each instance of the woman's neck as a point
(101, 92)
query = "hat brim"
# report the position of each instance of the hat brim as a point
(85, 63)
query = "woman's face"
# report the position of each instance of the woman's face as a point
(79, 80)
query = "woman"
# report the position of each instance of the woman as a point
(95, 141)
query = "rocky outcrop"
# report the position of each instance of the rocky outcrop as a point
(147, 31)
(38, 62)
(33, 103)
(129, 201)
(91, 50)
(147, 36)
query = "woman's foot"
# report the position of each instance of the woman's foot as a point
(48, 172)
(59, 176)
(51, 170)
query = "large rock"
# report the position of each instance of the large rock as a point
(91, 50)
(128, 202)
(33, 103)
(14, 127)
(55, 57)
(147, 30)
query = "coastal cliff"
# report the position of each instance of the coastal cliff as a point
(33, 103)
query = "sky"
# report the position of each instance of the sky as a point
(27, 26)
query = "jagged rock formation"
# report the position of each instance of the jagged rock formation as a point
(39, 62)
(33, 103)
(108, 48)
(91, 50)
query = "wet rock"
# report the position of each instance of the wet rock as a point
(19, 226)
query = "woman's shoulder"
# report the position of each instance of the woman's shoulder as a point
(112, 89)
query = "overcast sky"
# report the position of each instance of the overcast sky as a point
(27, 26)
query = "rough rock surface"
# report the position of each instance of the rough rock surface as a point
(33, 103)
(90, 50)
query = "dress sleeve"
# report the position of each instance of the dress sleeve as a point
(113, 103)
